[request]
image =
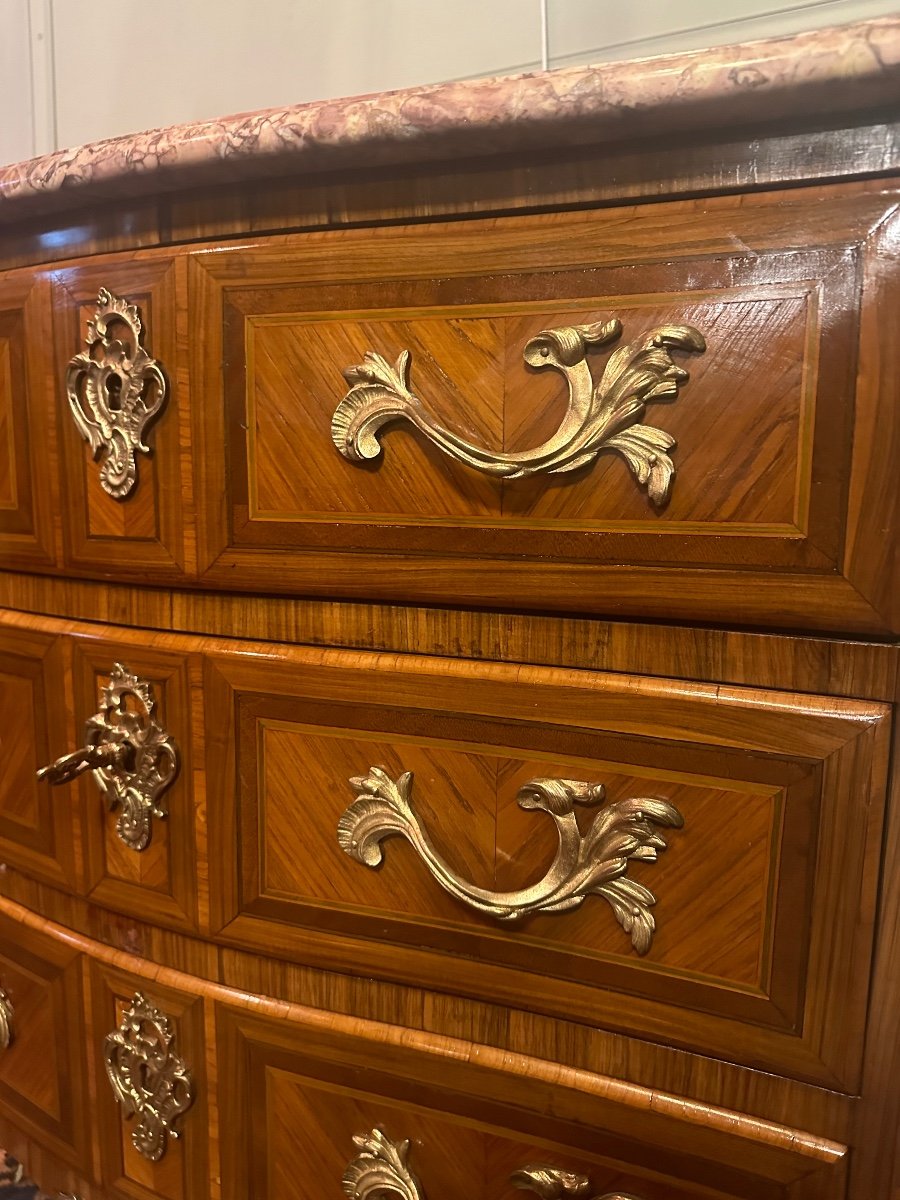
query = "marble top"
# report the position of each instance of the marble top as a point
(847, 68)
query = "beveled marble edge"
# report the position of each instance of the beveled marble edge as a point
(845, 68)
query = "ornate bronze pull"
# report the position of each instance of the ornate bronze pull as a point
(131, 757)
(147, 1076)
(600, 417)
(381, 1168)
(6, 1019)
(595, 862)
(115, 389)
(551, 1183)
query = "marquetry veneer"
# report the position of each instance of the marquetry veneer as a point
(781, 796)
(282, 1086)
(779, 425)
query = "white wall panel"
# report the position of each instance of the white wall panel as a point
(140, 64)
(585, 31)
(16, 129)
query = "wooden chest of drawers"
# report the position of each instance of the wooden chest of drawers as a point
(446, 666)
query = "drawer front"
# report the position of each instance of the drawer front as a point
(558, 840)
(67, 694)
(27, 447)
(123, 510)
(150, 871)
(38, 827)
(306, 1106)
(538, 381)
(149, 1038)
(43, 1091)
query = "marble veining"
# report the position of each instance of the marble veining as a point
(845, 68)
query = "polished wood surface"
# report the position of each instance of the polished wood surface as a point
(752, 1158)
(28, 474)
(785, 779)
(289, 1077)
(826, 666)
(164, 874)
(37, 834)
(767, 517)
(183, 1171)
(762, 488)
(42, 1073)
(302, 618)
(147, 532)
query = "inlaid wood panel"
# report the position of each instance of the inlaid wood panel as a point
(182, 1173)
(42, 1076)
(296, 1094)
(782, 798)
(143, 534)
(28, 466)
(772, 428)
(467, 803)
(38, 824)
(161, 879)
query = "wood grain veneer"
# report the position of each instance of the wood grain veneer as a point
(831, 667)
(752, 1154)
(35, 833)
(540, 543)
(28, 487)
(286, 724)
(42, 1074)
(147, 532)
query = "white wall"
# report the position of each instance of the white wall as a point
(16, 132)
(585, 31)
(73, 71)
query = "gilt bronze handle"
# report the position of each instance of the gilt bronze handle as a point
(381, 1168)
(131, 757)
(551, 1183)
(592, 863)
(115, 390)
(603, 416)
(6, 1019)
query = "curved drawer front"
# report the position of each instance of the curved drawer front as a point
(119, 826)
(27, 470)
(202, 1088)
(43, 1087)
(322, 1110)
(116, 368)
(146, 1048)
(37, 835)
(141, 854)
(691, 864)
(651, 411)
(557, 839)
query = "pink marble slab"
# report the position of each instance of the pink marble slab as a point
(848, 68)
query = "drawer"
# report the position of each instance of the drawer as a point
(27, 460)
(43, 1091)
(312, 1100)
(116, 367)
(137, 837)
(152, 1124)
(37, 832)
(149, 869)
(490, 412)
(687, 863)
